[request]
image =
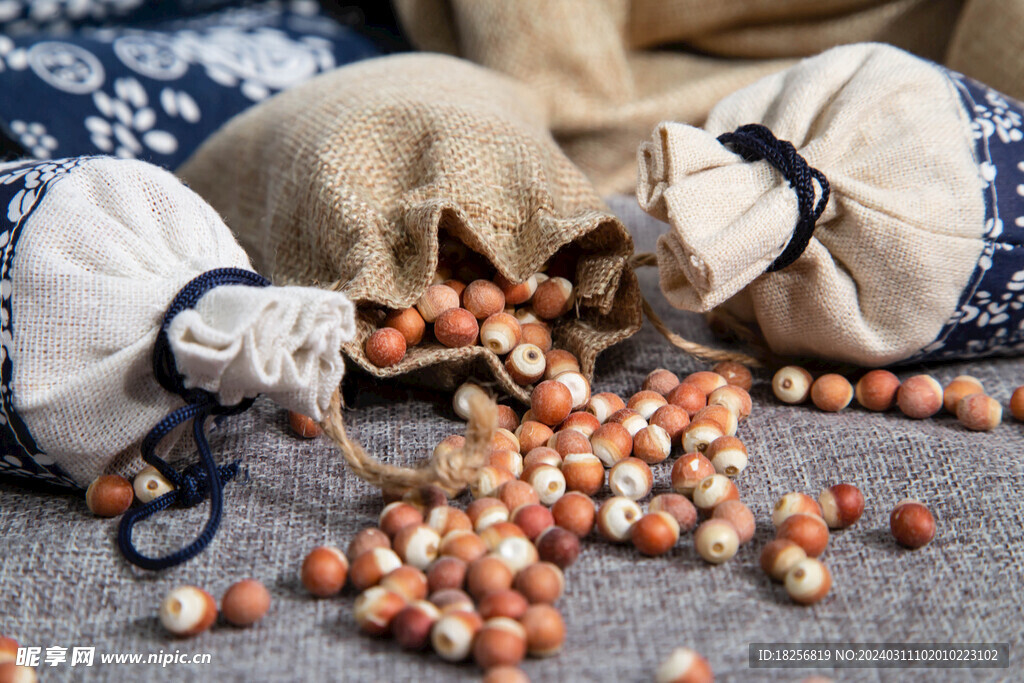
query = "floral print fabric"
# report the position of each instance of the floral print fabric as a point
(22, 187)
(990, 319)
(156, 93)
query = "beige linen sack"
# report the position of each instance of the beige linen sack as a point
(347, 181)
(914, 254)
(609, 71)
(103, 247)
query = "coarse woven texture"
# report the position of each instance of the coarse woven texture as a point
(65, 584)
(988, 43)
(901, 234)
(85, 295)
(457, 150)
(609, 71)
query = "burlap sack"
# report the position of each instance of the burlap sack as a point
(988, 44)
(914, 255)
(102, 247)
(346, 182)
(609, 71)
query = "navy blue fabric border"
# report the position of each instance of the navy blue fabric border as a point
(990, 318)
(22, 188)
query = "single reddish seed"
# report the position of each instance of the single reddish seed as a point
(558, 546)
(541, 582)
(366, 540)
(655, 533)
(793, 503)
(408, 582)
(109, 495)
(507, 418)
(735, 374)
(912, 524)
(979, 413)
(456, 327)
(689, 397)
(533, 519)
(808, 531)
(409, 322)
(570, 441)
(303, 426)
(1017, 403)
(500, 333)
(558, 361)
(501, 642)
(411, 627)
(436, 300)
(385, 347)
(575, 512)
(483, 298)
(532, 435)
(537, 334)
(446, 572)
(673, 420)
(545, 630)
(551, 402)
(831, 393)
(841, 505)
(661, 381)
(877, 390)
(245, 603)
(706, 381)
(553, 298)
(688, 471)
(919, 397)
(503, 603)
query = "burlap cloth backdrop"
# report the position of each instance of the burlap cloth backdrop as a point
(598, 69)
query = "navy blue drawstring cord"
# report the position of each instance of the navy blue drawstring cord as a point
(201, 479)
(754, 142)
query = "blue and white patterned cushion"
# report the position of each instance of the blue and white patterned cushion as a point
(22, 187)
(157, 93)
(990, 317)
(18, 17)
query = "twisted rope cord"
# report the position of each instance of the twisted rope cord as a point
(201, 479)
(695, 349)
(754, 142)
(452, 471)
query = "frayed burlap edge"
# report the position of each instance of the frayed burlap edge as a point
(608, 310)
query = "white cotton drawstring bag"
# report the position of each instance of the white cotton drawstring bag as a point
(128, 309)
(906, 246)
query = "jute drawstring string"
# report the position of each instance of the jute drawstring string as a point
(452, 471)
(695, 349)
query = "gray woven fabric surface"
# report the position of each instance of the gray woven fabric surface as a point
(62, 581)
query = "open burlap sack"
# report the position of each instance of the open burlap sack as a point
(914, 255)
(609, 71)
(347, 181)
